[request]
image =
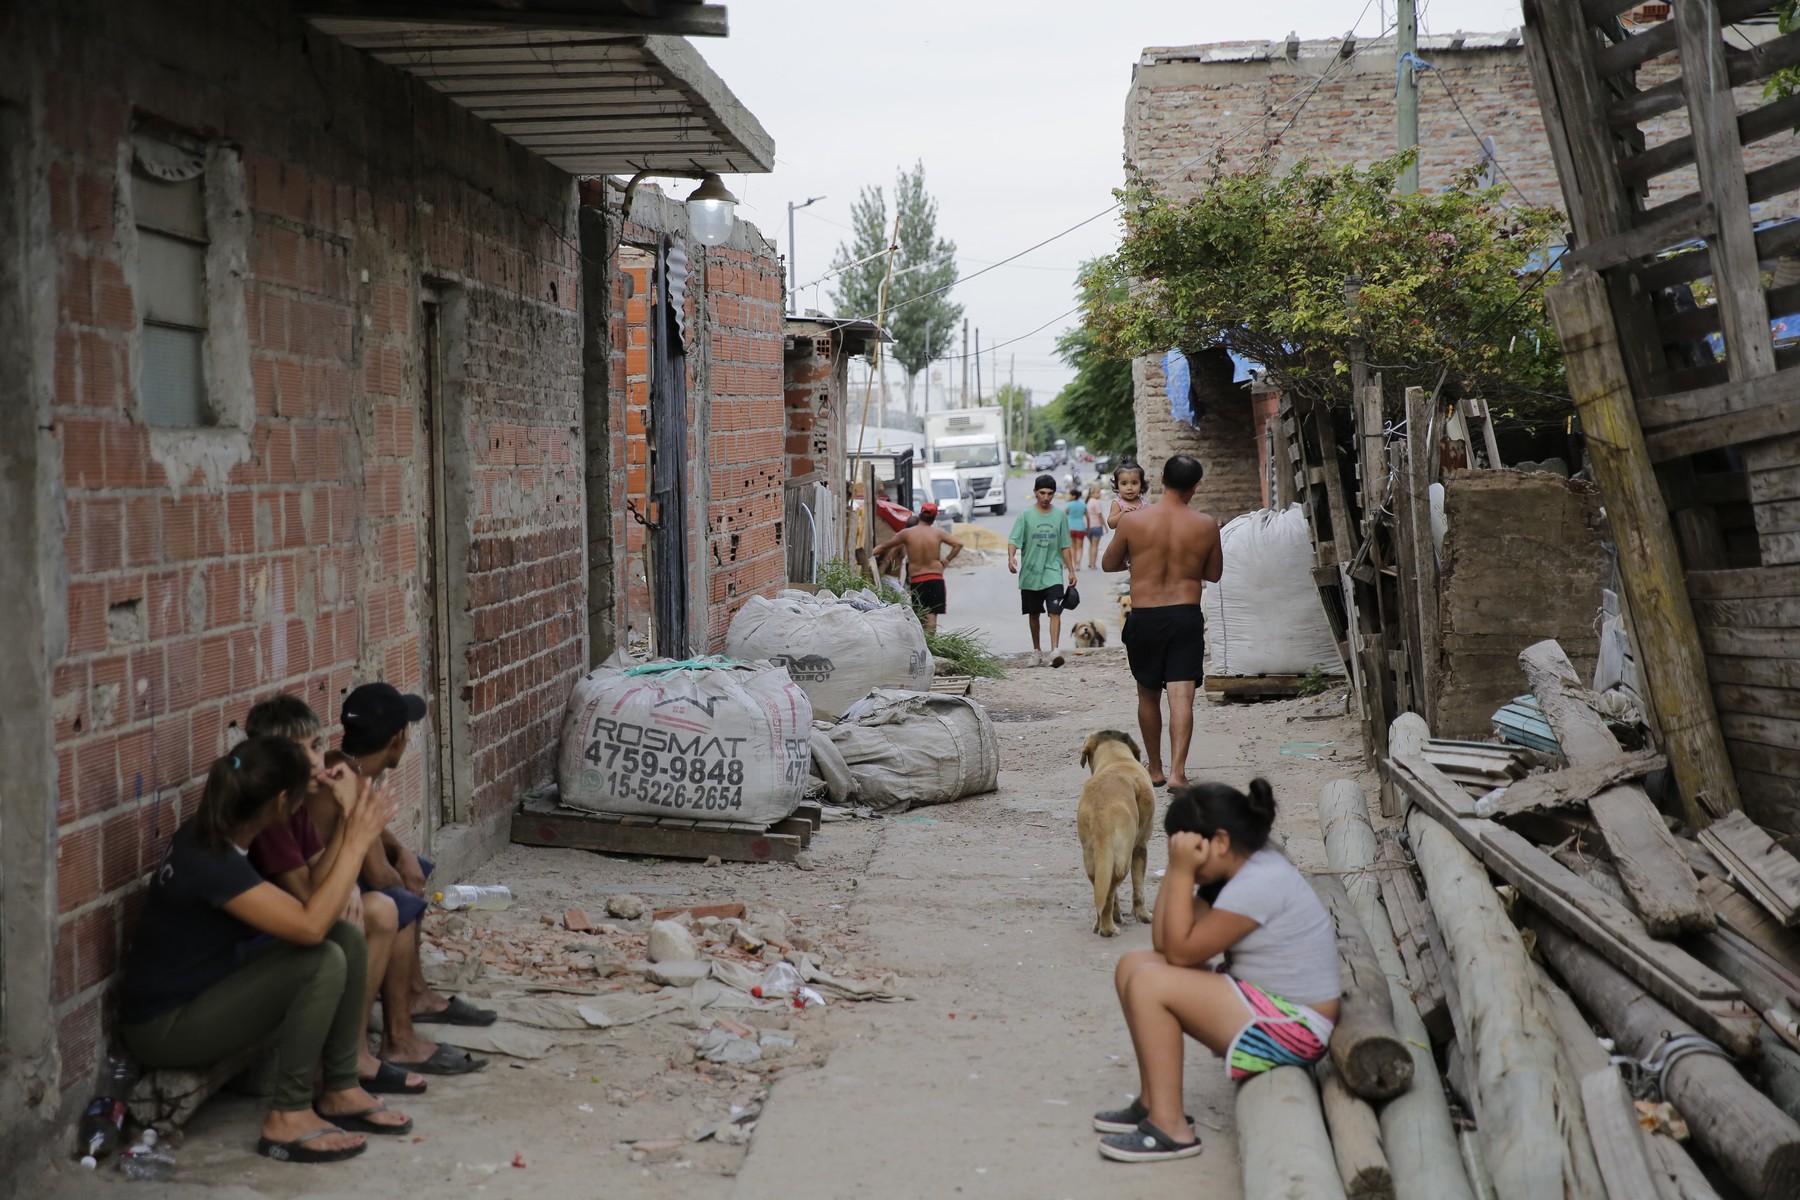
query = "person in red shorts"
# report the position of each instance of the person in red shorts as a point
(924, 545)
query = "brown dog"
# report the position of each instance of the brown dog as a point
(1089, 635)
(1118, 808)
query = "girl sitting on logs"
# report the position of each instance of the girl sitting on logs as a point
(224, 959)
(1273, 1002)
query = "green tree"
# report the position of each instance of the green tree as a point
(1098, 406)
(920, 316)
(1260, 263)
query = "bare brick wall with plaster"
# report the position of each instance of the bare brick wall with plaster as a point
(206, 570)
(1225, 441)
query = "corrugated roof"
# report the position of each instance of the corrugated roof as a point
(591, 103)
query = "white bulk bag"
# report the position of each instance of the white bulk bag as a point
(904, 749)
(837, 648)
(705, 739)
(1263, 616)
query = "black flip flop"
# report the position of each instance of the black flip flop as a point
(1146, 1143)
(390, 1081)
(457, 1012)
(445, 1060)
(358, 1122)
(296, 1151)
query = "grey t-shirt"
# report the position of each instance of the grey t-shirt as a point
(1292, 952)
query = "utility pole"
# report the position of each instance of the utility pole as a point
(962, 398)
(978, 366)
(1407, 87)
(928, 367)
(793, 258)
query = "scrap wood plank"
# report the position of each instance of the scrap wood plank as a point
(1651, 865)
(1770, 874)
(540, 822)
(1233, 687)
(1575, 785)
(1700, 995)
(1744, 917)
(1419, 941)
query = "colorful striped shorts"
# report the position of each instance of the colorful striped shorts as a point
(1280, 1034)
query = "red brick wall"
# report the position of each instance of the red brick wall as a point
(736, 460)
(746, 460)
(300, 567)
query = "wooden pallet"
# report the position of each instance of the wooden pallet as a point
(541, 822)
(1253, 687)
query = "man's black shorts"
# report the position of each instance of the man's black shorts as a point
(1165, 645)
(1044, 600)
(930, 595)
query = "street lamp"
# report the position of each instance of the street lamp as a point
(710, 210)
(793, 270)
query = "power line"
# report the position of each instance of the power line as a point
(1470, 125)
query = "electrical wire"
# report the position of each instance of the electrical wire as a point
(1470, 125)
(1304, 96)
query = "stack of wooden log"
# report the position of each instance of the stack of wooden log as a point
(1509, 924)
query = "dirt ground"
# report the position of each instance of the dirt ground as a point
(980, 1084)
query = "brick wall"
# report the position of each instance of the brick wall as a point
(814, 426)
(735, 453)
(1225, 441)
(746, 460)
(206, 570)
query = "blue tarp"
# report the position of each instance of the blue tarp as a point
(1179, 385)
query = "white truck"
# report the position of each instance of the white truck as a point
(973, 441)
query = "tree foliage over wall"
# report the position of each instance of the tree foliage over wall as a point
(1259, 263)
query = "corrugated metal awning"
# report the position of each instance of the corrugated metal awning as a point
(591, 103)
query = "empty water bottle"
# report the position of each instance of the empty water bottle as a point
(145, 1161)
(102, 1126)
(463, 896)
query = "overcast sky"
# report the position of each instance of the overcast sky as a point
(1016, 109)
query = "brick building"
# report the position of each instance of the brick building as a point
(317, 362)
(1332, 102)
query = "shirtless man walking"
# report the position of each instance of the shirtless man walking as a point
(924, 545)
(1170, 550)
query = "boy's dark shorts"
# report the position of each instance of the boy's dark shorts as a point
(931, 595)
(1165, 645)
(1043, 600)
(412, 906)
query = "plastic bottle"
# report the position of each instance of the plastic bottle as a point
(145, 1162)
(779, 980)
(102, 1126)
(460, 896)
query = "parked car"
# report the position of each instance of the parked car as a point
(1044, 462)
(1103, 465)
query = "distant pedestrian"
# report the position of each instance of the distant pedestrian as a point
(1039, 552)
(924, 545)
(1076, 507)
(1096, 523)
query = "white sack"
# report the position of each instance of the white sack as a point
(837, 649)
(1263, 616)
(713, 740)
(909, 748)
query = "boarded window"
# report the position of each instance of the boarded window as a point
(168, 206)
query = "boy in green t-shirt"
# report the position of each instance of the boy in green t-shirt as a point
(1039, 551)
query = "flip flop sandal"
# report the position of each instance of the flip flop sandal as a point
(1124, 1120)
(297, 1151)
(390, 1080)
(1146, 1143)
(458, 1012)
(358, 1122)
(445, 1060)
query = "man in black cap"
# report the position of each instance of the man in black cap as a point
(377, 720)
